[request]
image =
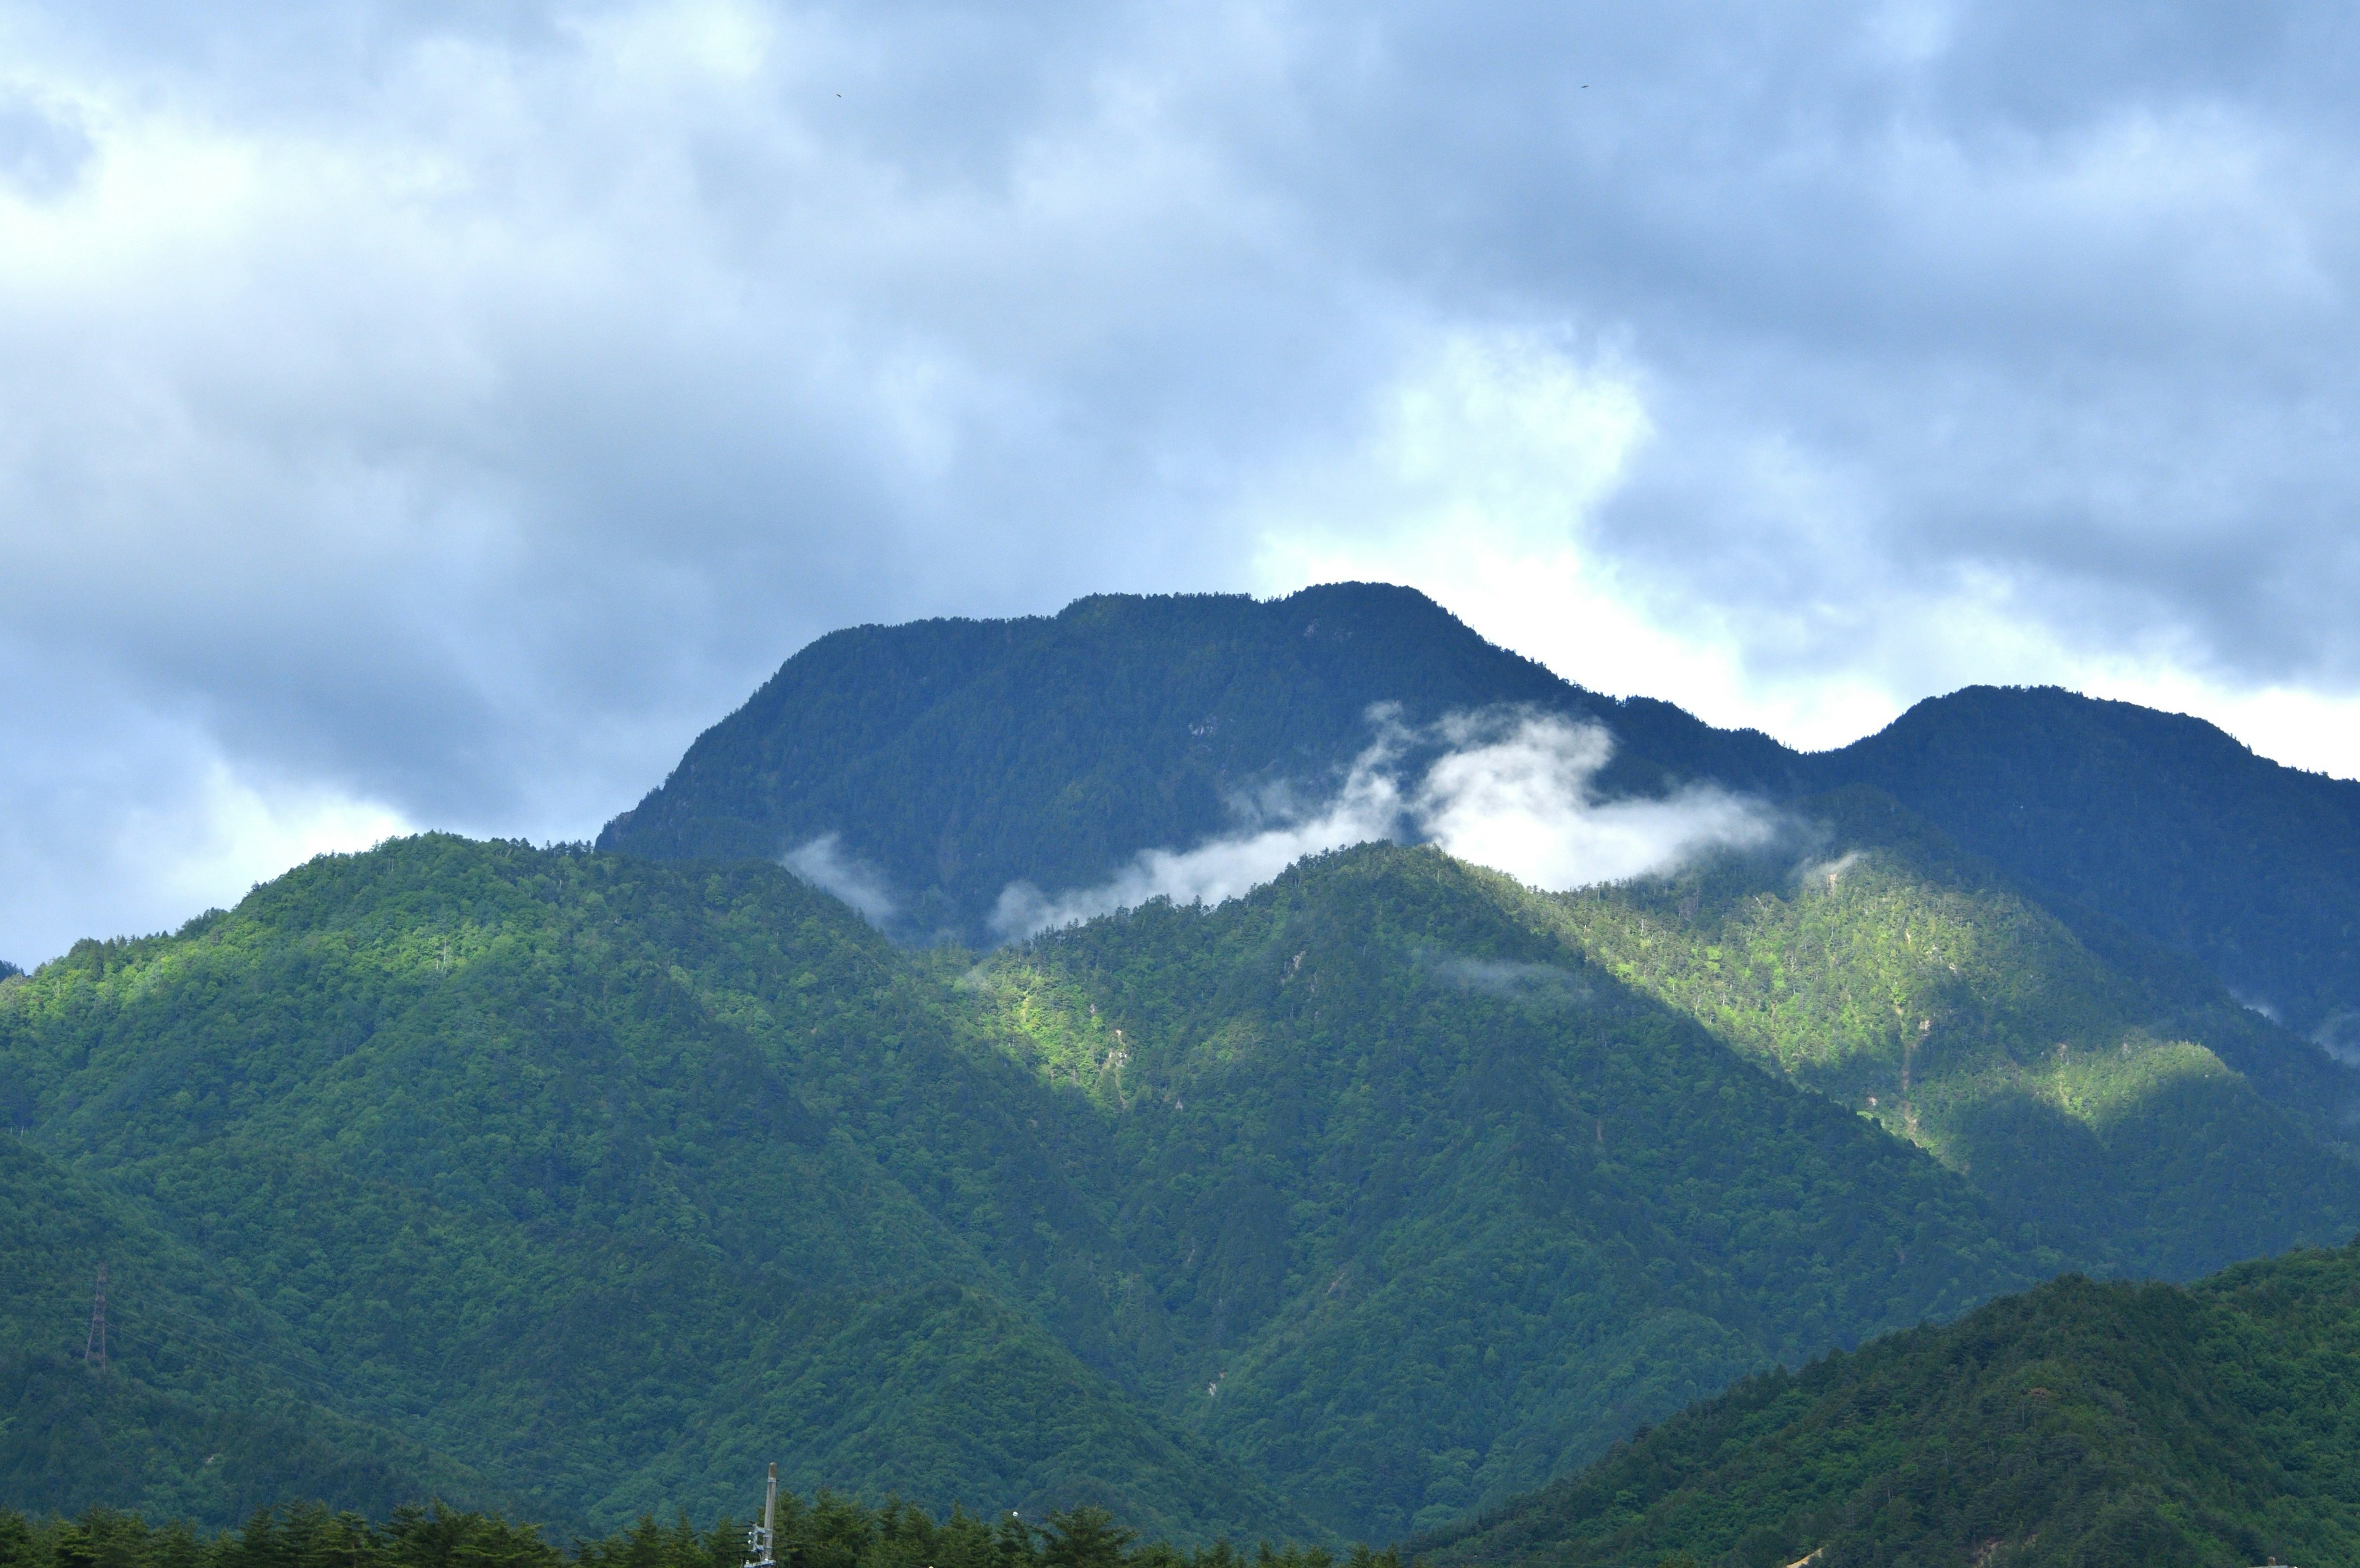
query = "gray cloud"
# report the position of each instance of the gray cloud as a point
(416, 413)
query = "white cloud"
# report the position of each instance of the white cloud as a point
(827, 865)
(1504, 789)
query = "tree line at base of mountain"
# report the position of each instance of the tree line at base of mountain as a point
(828, 1531)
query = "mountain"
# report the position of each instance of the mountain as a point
(1330, 1211)
(584, 1183)
(1435, 1206)
(958, 756)
(2130, 1115)
(2156, 820)
(613, 1181)
(2072, 1055)
(2078, 1423)
(207, 1407)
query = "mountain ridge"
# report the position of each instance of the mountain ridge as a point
(1053, 750)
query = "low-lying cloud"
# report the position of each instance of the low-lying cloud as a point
(1511, 789)
(829, 866)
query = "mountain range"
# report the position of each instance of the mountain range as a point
(897, 1092)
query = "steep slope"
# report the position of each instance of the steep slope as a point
(206, 1407)
(2155, 819)
(1438, 1209)
(956, 756)
(1918, 987)
(2078, 1424)
(591, 1171)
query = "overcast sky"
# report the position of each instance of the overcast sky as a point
(435, 415)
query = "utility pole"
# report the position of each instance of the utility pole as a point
(762, 1542)
(93, 1350)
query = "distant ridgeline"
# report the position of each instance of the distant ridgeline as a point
(574, 1185)
(960, 755)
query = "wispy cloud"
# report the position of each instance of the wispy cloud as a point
(827, 865)
(1511, 789)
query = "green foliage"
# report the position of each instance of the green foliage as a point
(602, 1177)
(1909, 983)
(828, 1531)
(2161, 823)
(570, 1183)
(1434, 1211)
(2077, 1423)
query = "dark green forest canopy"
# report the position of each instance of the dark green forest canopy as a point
(564, 1183)
(582, 1178)
(592, 1174)
(2106, 1093)
(2080, 1423)
(828, 1531)
(960, 755)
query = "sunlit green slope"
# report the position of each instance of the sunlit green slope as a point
(615, 1180)
(1437, 1208)
(2144, 1426)
(2093, 1101)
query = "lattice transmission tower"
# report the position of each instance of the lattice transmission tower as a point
(761, 1542)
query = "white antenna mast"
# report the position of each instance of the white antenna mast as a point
(761, 1542)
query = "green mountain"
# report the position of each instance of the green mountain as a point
(2080, 1423)
(583, 1184)
(2130, 1116)
(612, 1181)
(610, 1178)
(1437, 1207)
(956, 756)
(208, 1408)
(2156, 820)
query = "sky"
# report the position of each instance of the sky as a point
(435, 416)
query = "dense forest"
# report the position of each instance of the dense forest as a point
(959, 757)
(826, 1531)
(2138, 1425)
(564, 1183)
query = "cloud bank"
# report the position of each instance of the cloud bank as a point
(1511, 790)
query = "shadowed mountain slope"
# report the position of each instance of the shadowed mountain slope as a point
(958, 756)
(2155, 820)
(206, 1407)
(2147, 1426)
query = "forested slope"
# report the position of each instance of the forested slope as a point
(958, 756)
(2106, 1100)
(2145, 1426)
(611, 1179)
(606, 1178)
(207, 1407)
(1446, 1207)
(2155, 819)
